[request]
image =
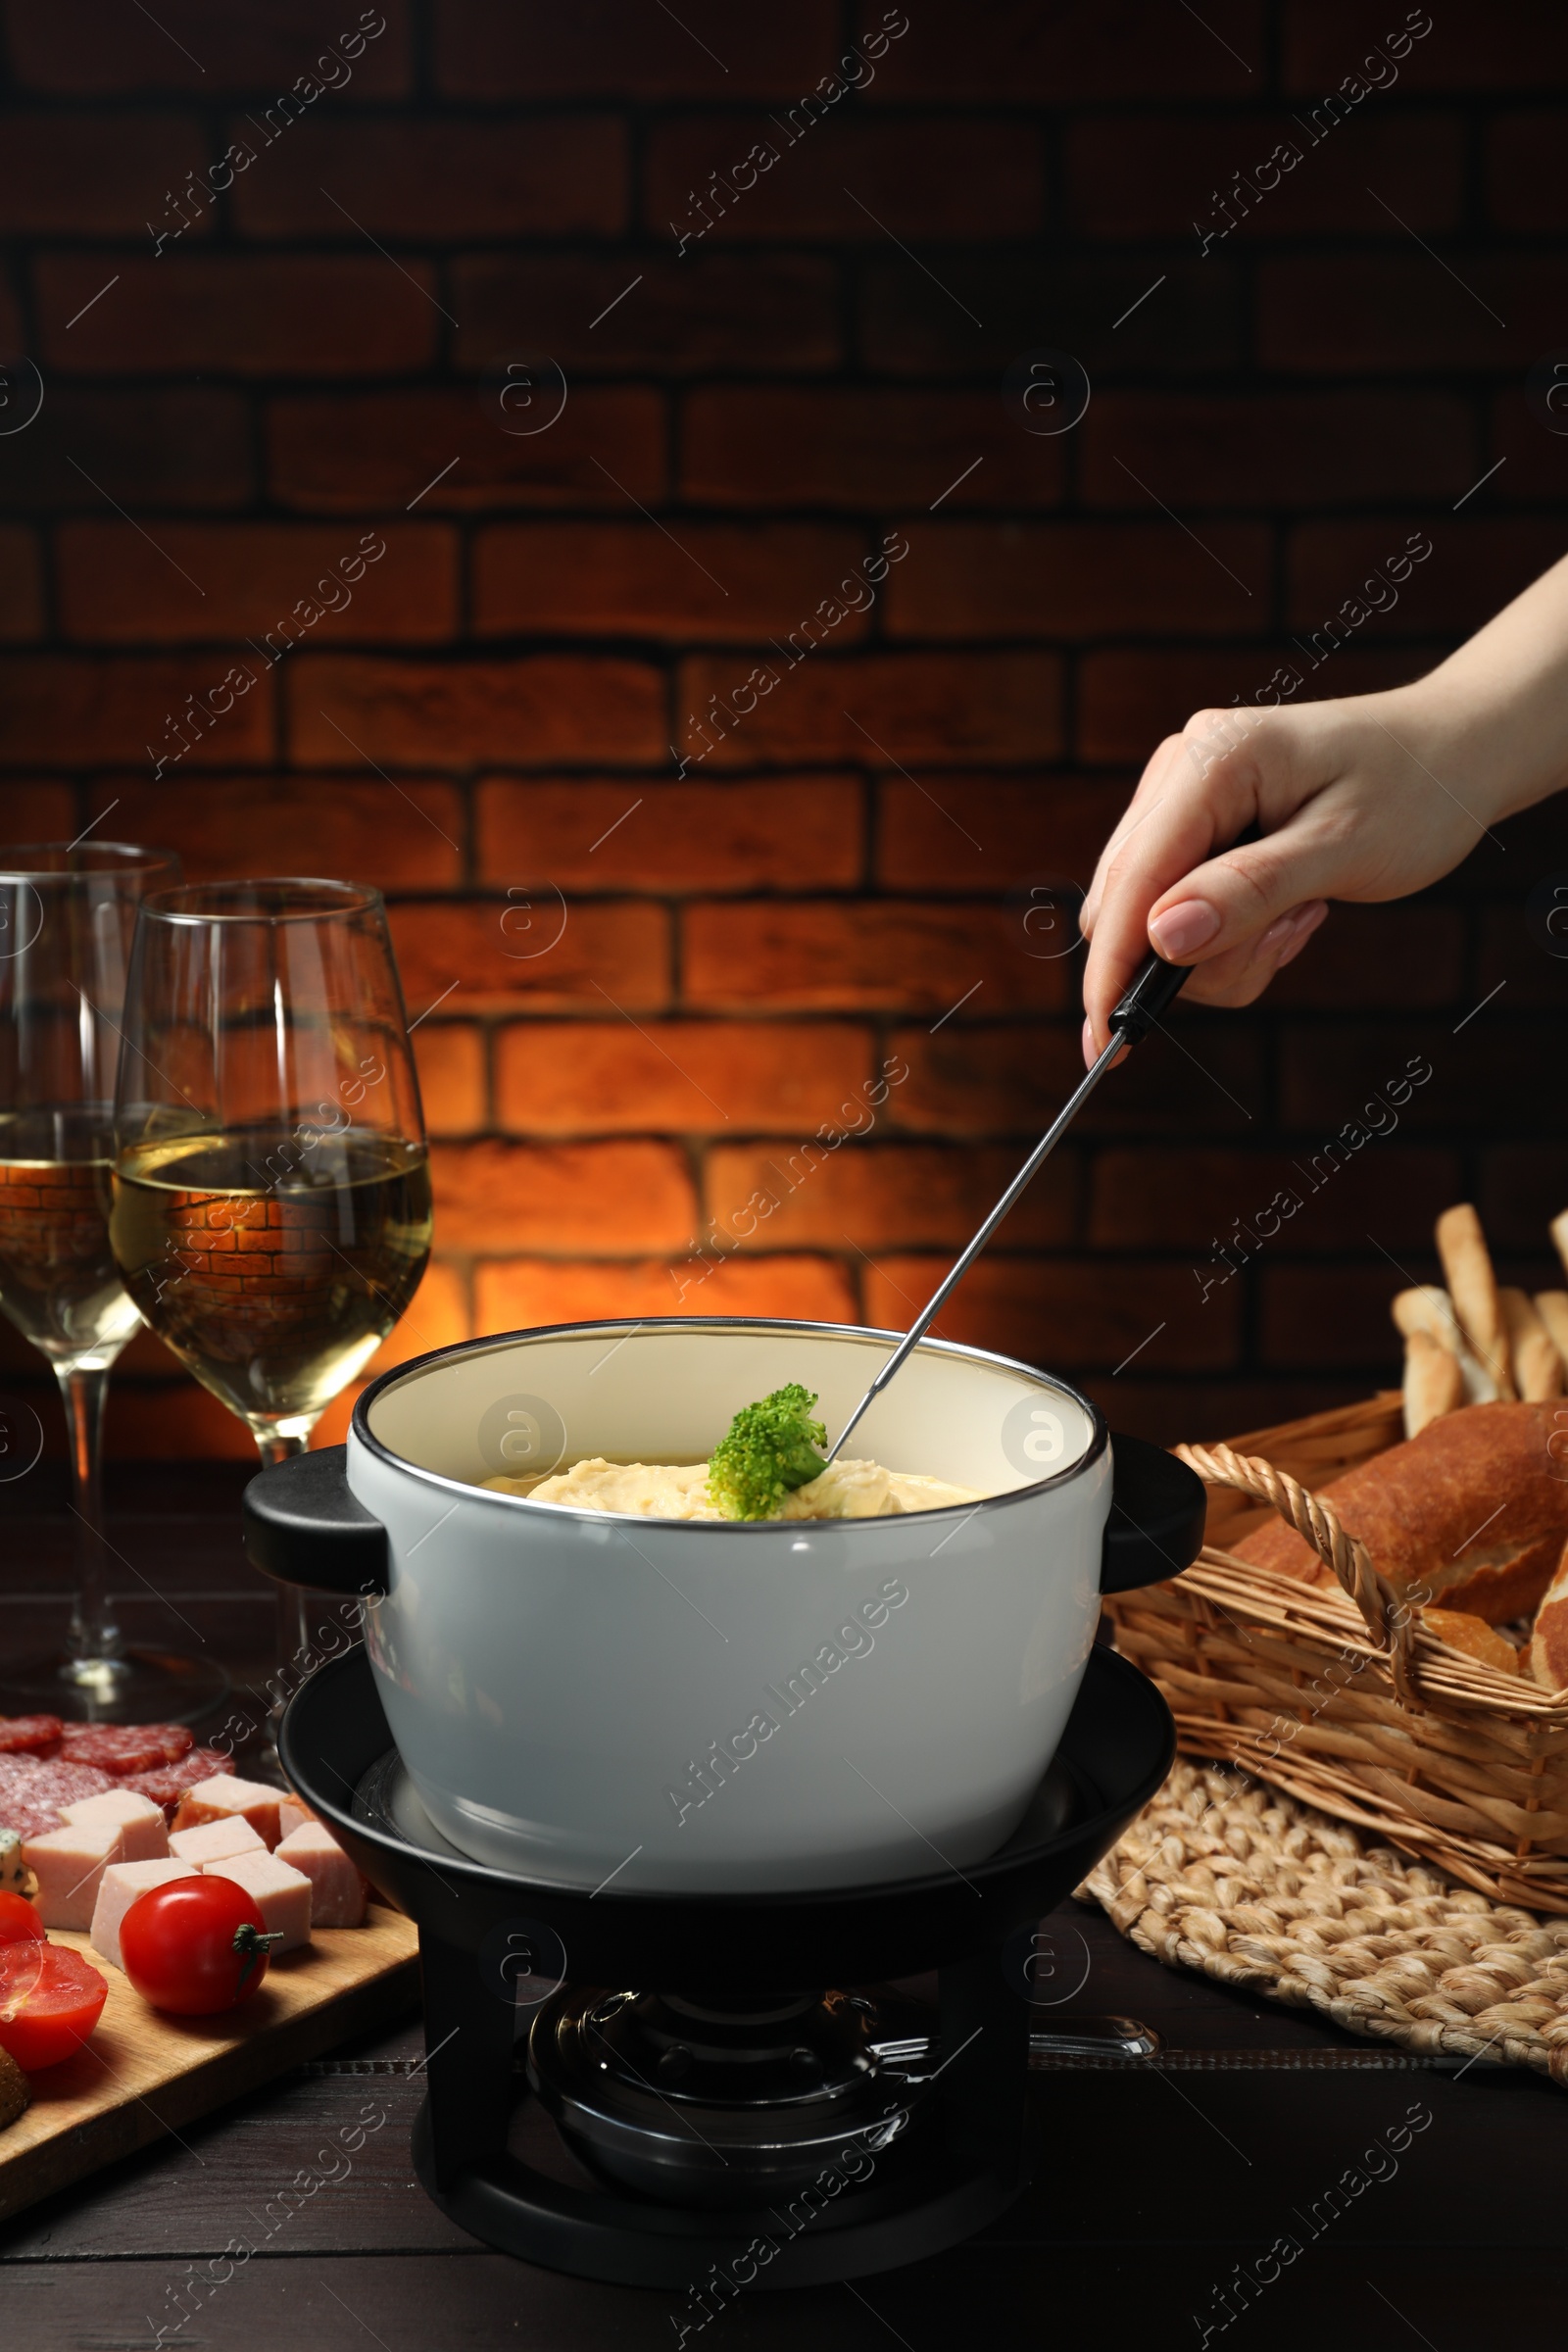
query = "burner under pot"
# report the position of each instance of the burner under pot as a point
(733, 2106)
(843, 2132)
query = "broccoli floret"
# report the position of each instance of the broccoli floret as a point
(769, 1448)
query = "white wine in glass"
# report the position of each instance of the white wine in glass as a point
(271, 1186)
(66, 916)
(274, 1293)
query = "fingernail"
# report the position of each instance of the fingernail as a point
(1089, 1043)
(1182, 929)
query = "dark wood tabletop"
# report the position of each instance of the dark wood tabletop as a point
(1156, 2176)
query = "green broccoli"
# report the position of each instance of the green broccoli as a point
(769, 1448)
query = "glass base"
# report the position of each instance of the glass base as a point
(142, 1686)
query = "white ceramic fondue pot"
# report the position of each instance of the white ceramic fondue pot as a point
(691, 1706)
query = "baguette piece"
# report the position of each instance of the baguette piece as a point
(15, 2090)
(1473, 1288)
(1552, 1309)
(1428, 1309)
(1559, 1234)
(1457, 1631)
(1532, 1351)
(1434, 1382)
(1471, 1515)
(1548, 1643)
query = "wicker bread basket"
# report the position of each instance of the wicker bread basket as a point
(1344, 1699)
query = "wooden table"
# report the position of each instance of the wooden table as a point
(1156, 2176)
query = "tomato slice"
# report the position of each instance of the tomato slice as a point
(18, 1919)
(195, 1945)
(50, 2000)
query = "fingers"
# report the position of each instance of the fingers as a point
(1169, 881)
(1198, 792)
(1242, 974)
(1150, 786)
(1226, 906)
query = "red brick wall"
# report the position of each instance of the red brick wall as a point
(842, 878)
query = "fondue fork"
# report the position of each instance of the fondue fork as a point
(1153, 993)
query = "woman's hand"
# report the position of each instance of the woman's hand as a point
(1365, 799)
(1349, 800)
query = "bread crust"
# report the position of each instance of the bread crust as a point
(1457, 1628)
(1548, 1641)
(1434, 1382)
(1472, 1513)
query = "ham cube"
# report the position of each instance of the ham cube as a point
(145, 1839)
(292, 1813)
(121, 1884)
(337, 1890)
(68, 1865)
(224, 1795)
(279, 1892)
(214, 1842)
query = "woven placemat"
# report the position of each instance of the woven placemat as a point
(1223, 1874)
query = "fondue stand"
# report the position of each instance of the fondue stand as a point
(740, 2097)
(767, 2112)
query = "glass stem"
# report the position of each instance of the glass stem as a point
(93, 1632)
(293, 1620)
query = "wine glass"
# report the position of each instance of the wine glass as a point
(271, 1186)
(67, 914)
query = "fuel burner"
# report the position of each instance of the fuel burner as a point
(747, 2129)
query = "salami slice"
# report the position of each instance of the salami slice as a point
(29, 1820)
(169, 1784)
(59, 1783)
(29, 1735)
(127, 1747)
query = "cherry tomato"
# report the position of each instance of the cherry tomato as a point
(195, 1945)
(19, 1919)
(50, 2000)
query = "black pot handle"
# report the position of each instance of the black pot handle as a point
(1155, 1527)
(303, 1526)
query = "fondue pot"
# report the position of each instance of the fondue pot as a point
(692, 1706)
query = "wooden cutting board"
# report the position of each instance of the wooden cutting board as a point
(143, 2074)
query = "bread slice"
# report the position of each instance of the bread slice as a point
(1455, 1629)
(1471, 1514)
(1548, 1643)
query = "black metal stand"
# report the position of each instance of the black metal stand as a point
(868, 2210)
(872, 2206)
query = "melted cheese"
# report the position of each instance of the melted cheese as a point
(845, 1489)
